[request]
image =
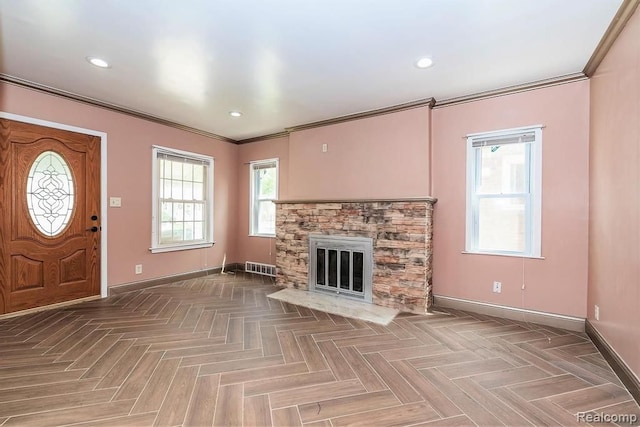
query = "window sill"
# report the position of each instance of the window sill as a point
(272, 236)
(175, 248)
(499, 254)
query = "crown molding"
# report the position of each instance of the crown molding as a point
(427, 102)
(626, 10)
(569, 78)
(112, 107)
(263, 137)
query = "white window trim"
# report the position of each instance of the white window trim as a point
(156, 247)
(252, 209)
(535, 181)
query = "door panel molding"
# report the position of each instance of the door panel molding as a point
(103, 186)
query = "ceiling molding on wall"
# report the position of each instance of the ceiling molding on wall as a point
(627, 8)
(427, 102)
(569, 78)
(96, 103)
(263, 137)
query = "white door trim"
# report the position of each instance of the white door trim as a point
(103, 182)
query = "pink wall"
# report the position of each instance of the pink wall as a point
(614, 247)
(259, 249)
(129, 177)
(556, 284)
(384, 156)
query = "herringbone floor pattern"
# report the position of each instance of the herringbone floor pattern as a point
(217, 351)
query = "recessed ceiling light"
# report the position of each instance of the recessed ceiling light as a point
(98, 62)
(235, 113)
(425, 62)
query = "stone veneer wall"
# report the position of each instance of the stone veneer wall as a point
(402, 244)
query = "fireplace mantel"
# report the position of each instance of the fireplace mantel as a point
(401, 230)
(317, 201)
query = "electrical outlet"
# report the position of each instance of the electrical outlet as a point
(497, 287)
(325, 148)
(138, 268)
(597, 312)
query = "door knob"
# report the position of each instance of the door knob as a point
(93, 229)
(94, 217)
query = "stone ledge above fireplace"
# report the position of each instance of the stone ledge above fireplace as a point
(401, 230)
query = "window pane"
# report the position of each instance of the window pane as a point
(176, 170)
(178, 211)
(198, 192)
(187, 172)
(198, 210)
(178, 228)
(176, 190)
(267, 217)
(187, 190)
(198, 173)
(198, 230)
(166, 232)
(501, 224)
(188, 231)
(188, 212)
(267, 186)
(166, 184)
(166, 211)
(167, 169)
(502, 169)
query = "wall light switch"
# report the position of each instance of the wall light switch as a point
(325, 148)
(115, 202)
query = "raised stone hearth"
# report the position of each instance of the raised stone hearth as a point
(401, 230)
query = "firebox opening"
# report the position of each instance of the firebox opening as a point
(341, 265)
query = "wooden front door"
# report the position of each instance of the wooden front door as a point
(49, 216)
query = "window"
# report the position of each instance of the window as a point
(182, 200)
(504, 192)
(264, 190)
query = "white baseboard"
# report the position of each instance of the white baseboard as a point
(570, 323)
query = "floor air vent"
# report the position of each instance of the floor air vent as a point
(259, 268)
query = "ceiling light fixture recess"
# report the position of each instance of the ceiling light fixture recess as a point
(235, 113)
(98, 62)
(425, 62)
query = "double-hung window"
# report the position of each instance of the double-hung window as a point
(264, 190)
(504, 176)
(182, 200)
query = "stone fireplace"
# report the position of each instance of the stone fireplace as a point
(400, 231)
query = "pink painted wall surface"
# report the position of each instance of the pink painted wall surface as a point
(259, 249)
(614, 247)
(129, 177)
(558, 283)
(384, 156)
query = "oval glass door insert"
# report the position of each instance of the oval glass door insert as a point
(50, 193)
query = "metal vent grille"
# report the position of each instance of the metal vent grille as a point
(259, 268)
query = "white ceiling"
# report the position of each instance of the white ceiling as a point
(290, 62)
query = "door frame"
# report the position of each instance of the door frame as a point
(103, 182)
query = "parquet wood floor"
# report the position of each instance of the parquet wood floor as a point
(217, 351)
